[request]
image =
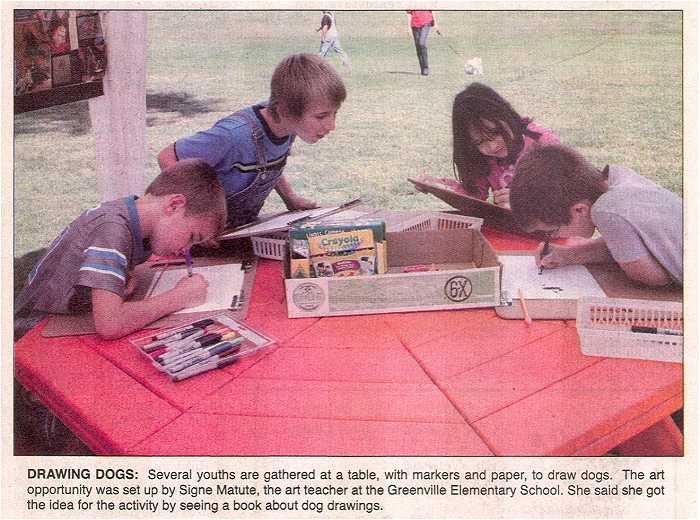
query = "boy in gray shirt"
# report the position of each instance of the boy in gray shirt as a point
(557, 192)
(87, 267)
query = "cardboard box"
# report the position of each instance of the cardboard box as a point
(468, 275)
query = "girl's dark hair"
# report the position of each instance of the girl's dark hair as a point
(476, 103)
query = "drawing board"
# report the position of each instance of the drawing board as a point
(225, 284)
(571, 281)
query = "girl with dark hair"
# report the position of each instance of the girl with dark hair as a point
(488, 138)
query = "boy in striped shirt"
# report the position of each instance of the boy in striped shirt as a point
(88, 267)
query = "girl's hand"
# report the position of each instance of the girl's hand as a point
(191, 290)
(502, 197)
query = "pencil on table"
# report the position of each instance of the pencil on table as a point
(526, 314)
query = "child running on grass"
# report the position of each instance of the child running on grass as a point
(558, 192)
(249, 148)
(488, 138)
(88, 267)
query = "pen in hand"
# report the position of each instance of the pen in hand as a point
(188, 261)
(545, 252)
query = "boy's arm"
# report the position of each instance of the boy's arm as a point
(648, 271)
(645, 270)
(115, 317)
(290, 198)
(167, 156)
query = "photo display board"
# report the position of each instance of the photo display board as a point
(60, 57)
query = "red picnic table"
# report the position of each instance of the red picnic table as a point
(440, 383)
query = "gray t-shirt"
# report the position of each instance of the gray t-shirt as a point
(637, 218)
(96, 250)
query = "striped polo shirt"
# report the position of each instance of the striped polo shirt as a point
(96, 250)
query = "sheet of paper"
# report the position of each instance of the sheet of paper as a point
(568, 282)
(278, 222)
(225, 282)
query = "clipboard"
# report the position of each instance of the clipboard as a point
(280, 222)
(493, 215)
(83, 324)
(611, 279)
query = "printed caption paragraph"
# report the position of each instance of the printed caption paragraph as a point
(319, 490)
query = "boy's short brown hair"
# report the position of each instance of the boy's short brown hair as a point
(548, 181)
(301, 78)
(200, 185)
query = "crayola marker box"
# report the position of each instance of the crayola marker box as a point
(299, 235)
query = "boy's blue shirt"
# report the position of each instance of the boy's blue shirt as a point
(229, 148)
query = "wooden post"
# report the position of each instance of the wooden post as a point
(119, 116)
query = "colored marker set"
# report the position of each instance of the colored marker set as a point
(203, 345)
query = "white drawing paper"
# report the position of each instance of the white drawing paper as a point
(225, 282)
(568, 282)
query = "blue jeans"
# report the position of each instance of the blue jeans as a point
(420, 38)
(334, 44)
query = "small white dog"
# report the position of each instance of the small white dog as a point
(473, 67)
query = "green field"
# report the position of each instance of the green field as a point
(610, 83)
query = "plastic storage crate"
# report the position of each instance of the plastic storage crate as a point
(438, 222)
(606, 327)
(271, 246)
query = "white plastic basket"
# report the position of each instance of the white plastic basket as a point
(272, 246)
(438, 221)
(605, 328)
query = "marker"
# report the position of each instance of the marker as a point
(216, 352)
(165, 341)
(656, 330)
(204, 367)
(175, 344)
(188, 261)
(197, 325)
(177, 355)
(199, 343)
(545, 251)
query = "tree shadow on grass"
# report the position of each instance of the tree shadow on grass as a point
(74, 118)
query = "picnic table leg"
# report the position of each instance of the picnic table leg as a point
(661, 439)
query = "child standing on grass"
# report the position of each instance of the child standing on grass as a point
(249, 148)
(558, 192)
(88, 267)
(420, 23)
(330, 38)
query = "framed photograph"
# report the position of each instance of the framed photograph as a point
(32, 59)
(89, 30)
(66, 68)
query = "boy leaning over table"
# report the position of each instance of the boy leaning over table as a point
(249, 148)
(88, 266)
(558, 192)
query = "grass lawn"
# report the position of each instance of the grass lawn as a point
(610, 83)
